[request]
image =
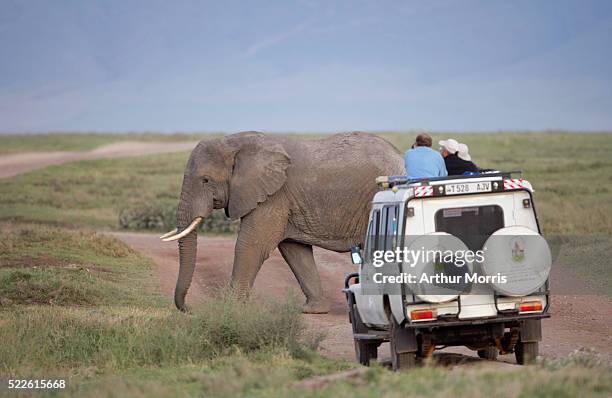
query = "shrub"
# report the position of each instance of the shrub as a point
(220, 224)
(154, 217)
(160, 217)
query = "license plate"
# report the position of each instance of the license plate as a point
(470, 187)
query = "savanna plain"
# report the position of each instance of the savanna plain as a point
(77, 302)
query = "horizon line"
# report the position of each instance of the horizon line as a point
(307, 132)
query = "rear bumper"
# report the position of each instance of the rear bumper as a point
(443, 323)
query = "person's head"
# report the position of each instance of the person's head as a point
(464, 152)
(448, 147)
(422, 139)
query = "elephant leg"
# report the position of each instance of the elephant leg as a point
(301, 261)
(260, 233)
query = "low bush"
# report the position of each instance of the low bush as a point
(154, 217)
(162, 217)
(218, 223)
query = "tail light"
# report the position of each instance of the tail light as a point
(530, 306)
(422, 315)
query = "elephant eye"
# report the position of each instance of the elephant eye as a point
(205, 180)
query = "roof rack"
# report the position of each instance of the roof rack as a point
(394, 181)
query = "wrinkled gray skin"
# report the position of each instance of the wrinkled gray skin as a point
(289, 193)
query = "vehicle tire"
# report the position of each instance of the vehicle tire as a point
(526, 352)
(403, 361)
(489, 353)
(399, 360)
(365, 352)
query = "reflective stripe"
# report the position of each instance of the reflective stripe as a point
(423, 191)
(514, 183)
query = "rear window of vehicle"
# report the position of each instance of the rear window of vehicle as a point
(473, 225)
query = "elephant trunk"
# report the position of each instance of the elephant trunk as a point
(188, 246)
(188, 218)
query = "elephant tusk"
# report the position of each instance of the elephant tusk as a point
(174, 231)
(185, 232)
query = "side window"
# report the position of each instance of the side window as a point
(382, 228)
(389, 231)
(373, 228)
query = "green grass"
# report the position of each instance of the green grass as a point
(275, 373)
(535, 381)
(118, 337)
(46, 265)
(587, 256)
(84, 306)
(100, 306)
(137, 193)
(270, 371)
(92, 193)
(79, 142)
(571, 174)
(78, 304)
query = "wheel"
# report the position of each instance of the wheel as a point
(365, 352)
(401, 360)
(526, 352)
(489, 353)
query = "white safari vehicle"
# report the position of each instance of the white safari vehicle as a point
(490, 317)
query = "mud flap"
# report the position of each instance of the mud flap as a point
(531, 330)
(404, 339)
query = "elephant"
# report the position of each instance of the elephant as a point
(290, 193)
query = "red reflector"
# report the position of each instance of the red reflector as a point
(530, 306)
(417, 315)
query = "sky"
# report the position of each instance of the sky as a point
(104, 65)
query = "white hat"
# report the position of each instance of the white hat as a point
(450, 145)
(464, 152)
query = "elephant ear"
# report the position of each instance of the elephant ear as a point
(260, 165)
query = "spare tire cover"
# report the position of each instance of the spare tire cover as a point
(521, 255)
(437, 292)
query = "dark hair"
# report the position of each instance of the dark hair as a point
(423, 139)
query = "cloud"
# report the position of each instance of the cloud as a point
(276, 39)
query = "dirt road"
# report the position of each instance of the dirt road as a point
(578, 319)
(14, 164)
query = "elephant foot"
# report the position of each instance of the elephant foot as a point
(315, 307)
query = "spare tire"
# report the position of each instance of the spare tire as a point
(438, 292)
(519, 254)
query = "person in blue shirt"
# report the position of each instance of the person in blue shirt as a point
(423, 162)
